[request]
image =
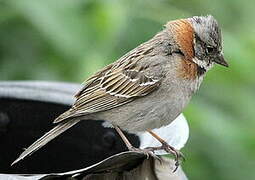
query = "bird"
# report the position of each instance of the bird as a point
(149, 86)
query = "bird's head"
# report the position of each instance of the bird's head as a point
(199, 40)
(207, 42)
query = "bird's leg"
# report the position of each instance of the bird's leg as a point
(124, 138)
(147, 152)
(166, 147)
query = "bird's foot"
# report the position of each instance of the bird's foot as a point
(148, 152)
(169, 149)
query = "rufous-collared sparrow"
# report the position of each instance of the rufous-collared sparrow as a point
(149, 86)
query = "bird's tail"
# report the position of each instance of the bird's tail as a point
(60, 128)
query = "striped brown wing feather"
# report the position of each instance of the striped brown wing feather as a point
(114, 85)
(114, 89)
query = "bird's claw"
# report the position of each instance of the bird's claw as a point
(178, 156)
(147, 151)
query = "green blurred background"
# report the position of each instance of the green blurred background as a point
(67, 40)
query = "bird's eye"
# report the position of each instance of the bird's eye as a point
(209, 49)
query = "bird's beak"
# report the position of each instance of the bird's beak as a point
(220, 60)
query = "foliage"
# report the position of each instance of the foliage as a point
(65, 40)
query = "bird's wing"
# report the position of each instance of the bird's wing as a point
(117, 85)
